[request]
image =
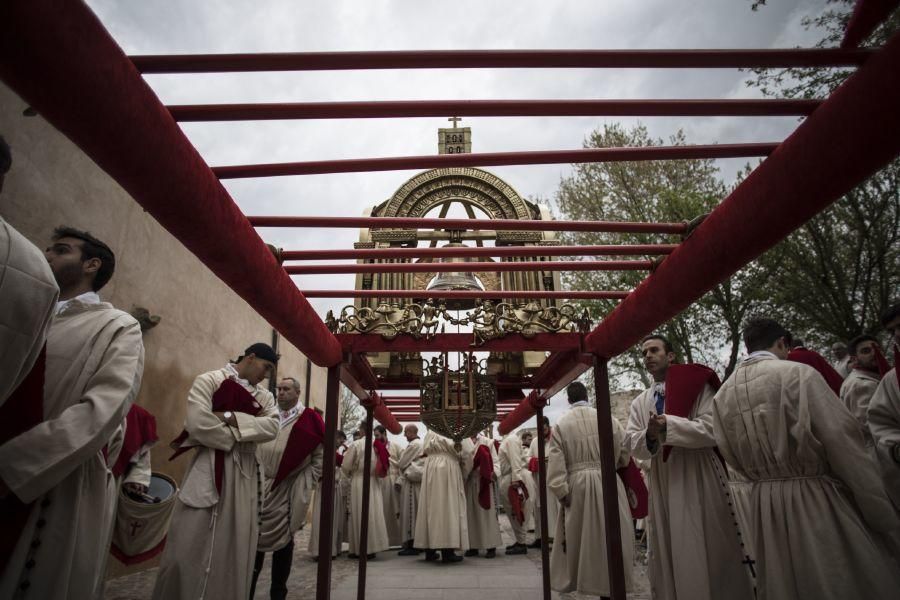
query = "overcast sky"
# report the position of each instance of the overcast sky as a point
(167, 27)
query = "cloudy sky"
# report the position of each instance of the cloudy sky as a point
(168, 27)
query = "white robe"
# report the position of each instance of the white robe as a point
(856, 393)
(95, 360)
(377, 539)
(340, 519)
(511, 457)
(441, 519)
(483, 523)
(552, 501)
(211, 545)
(391, 497)
(817, 501)
(578, 561)
(884, 423)
(410, 466)
(28, 295)
(285, 506)
(694, 549)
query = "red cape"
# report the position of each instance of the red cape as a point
(140, 431)
(518, 495)
(485, 465)
(635, 489)
(307, 433)
(231, 396)
(684, 383)
(818, 362)
(383, 456)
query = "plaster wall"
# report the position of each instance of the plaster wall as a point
(203, 323)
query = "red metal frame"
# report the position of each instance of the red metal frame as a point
(491, 295)
(474, 267)
(473, 251)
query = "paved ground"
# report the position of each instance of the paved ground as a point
(400, 578)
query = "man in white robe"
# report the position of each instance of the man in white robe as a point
(388, 494)
(441, 522)
(530, 504)
(28, 295)
(884, 413)
(818, 510)
(410, 467)
(340, 506)
(57, 487)
(694, 545)
(482, 499)
(841, 356)
(211, 545)
(513, 472)
(578, 561)
(552, 501)
(353, 467)
(291, 466)
(859, 386)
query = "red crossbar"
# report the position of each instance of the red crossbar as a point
(486, 159)
(492, 108)
(504, 59)
(474, 267)
(495, 251)
(847, 139)
(488, 295)
(467, 224)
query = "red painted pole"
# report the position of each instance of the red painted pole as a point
(853, 134)
(488, 159)
(364, 517)
(422, 295)
(473, 267)
(504, 59)
(491, 108)
(326, 519)
(495, 251)
(542, 498)
(468, 224)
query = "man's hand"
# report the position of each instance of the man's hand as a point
(655, 427)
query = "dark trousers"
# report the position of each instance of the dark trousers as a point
(281, 569)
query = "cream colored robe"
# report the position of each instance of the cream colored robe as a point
(483, 524)
(884, 424)
(285, 506)
(212, 539)
(28, 295)
(410, 466)
(694, 550)
(552, 501)
(578, 561)
(856, 392)
(817, 501)
(441, 520)
(95, 360)
(339, 510)
(391, 497)
(353, 468)
(512, 469)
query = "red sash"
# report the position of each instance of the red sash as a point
(383, 456)
(534, 464)
(818, 362)
(635, 489)
(231, 396)
(140, 431)
(485, 465)
(307, 433)
(683, 386)
(518, 495)
(23, 409)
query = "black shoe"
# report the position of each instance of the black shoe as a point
(408, 552)
(517, 549)
(370, 556)
(449, 556)
(491, 553)
(471, 552)
(535, 544)
(431, 555)
(352, 556)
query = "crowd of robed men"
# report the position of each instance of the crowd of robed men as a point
(781, 481)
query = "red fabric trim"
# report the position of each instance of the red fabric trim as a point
(636, 489)
(138, 558)
(307, 434)
(383, 457)
(534, 464)
(518, 495)
(818, 362)
(684, 383)
(485, 465)
(140, 431)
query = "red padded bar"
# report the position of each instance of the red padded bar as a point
(504, 59)
(526, 409)
(867, 16)
(382, 413)
(488, 159)
(474, 267)
(492, 108)
(852, 135)
(496, 251)
(58, 57)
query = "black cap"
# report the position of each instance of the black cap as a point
(263, 351)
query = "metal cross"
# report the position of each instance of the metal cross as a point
(455, 121)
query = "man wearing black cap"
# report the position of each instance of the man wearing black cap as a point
(212, 540)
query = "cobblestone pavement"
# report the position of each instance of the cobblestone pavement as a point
(401, 578)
